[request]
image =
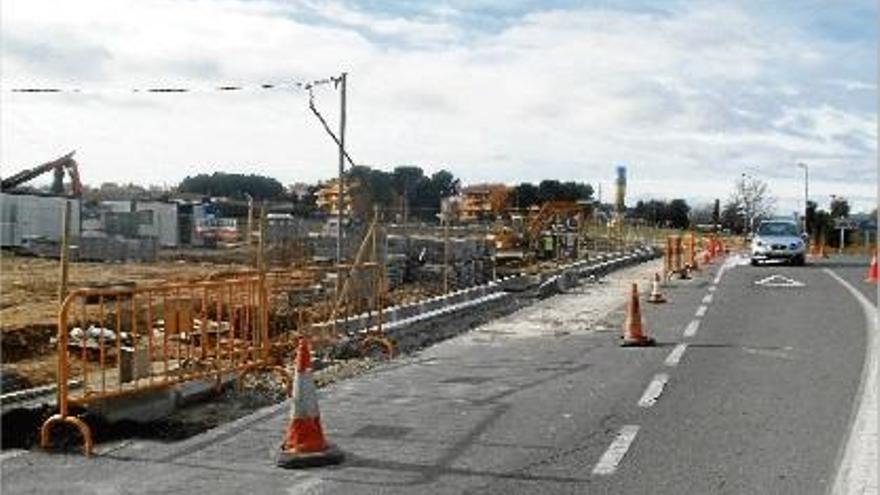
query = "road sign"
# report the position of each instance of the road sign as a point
(779, 281)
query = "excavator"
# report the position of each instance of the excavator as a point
(521, 241)
(58, 166)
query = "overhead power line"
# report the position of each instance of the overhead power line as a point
(224, 88)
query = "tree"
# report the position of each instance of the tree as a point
(732, 218)
(550, 190)
(810, 224)
(406, 188)
(524, 195)
(654, 212)
(406, 180)
(233, 185)
(678, 213)
(703, 215)
(445, 184)
(750, 198)
(839, 207)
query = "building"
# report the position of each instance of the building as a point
(481, 201)
(327, 196)
(157, 219)
(27, 217)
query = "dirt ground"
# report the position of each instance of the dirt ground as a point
(29, 305)
(29, 302)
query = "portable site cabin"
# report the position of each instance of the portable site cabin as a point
(26, 217)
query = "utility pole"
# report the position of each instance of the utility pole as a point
(445, 254)
(340, 202)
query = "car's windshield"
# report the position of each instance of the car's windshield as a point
(778, 229)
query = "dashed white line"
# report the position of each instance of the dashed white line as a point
(691, 329)
(655, 388)
(611, 458)
(701, 310)
(675, 356)
(707, 299)
(712, 288)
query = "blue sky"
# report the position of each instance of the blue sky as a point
(689, 95)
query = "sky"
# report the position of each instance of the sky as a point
(688, 95)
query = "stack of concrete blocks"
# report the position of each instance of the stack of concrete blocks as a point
(100, 248)
(117, 249)
(469, 260)
(323, 247)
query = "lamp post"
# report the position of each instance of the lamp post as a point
(746, 200)
(806, 191)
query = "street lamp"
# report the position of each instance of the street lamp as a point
(746, 200)
(806, 191)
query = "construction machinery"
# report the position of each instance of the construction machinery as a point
(59, 166)
(537, 233)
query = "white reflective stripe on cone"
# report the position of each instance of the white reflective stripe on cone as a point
(305, 397)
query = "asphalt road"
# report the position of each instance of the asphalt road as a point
(760, 401)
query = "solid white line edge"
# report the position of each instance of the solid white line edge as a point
(855, 457)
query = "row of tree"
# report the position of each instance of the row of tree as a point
(237, 186)
(526, 194)
(659, 213)
(406, 190)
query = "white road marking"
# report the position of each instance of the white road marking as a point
(675, 356)
(779, 281)
(691, 329)
(712, 288)
(701, 311)
(707, 299)
(655, 388)
(611, 458)
(857, 467)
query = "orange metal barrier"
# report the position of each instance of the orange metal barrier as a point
(125, 342)
(120, 342)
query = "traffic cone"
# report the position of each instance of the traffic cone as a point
(685, 273)
(632, 328)
(304, 443)
(873, 273)
(656, 296)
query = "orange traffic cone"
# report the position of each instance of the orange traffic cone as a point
(873, 271)
(304, 443)
(656, 296)
(632, 328)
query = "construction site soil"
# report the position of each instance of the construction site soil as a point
(29, 300)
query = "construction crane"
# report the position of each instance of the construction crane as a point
(58, 166)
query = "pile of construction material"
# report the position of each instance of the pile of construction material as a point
(99, 248)
(423, 260)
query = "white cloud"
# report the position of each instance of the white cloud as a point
(686, 98)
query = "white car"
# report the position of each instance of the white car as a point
(778, 239)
